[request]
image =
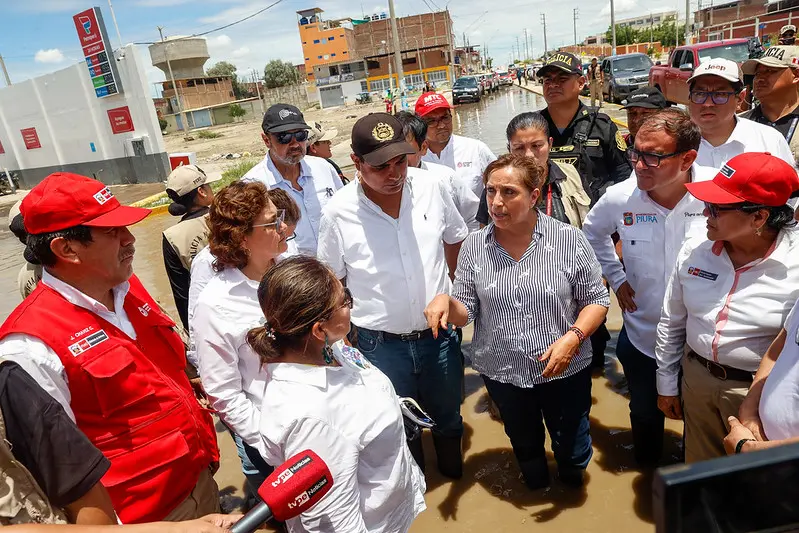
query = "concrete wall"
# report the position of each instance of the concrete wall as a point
(749, 27)
(74, 129)
(428, 29)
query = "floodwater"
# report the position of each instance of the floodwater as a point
(616, 496)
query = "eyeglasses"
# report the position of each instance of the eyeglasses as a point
(718, 97)
(346, 302)
(434, 122)
(278, 223)
(286, 136)
(714, 209)
(650, 160)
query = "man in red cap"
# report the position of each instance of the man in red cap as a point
(467, 157)
(93, 338)
(728, 298)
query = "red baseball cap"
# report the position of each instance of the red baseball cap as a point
(755, 177)
(428, 102)
(63, 200)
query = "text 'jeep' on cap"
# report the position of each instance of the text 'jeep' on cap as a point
(377, 138)
(563, 61)
(718, 66)
(283, 117)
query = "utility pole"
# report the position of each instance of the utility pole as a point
(398, 52)
(5, 71)
(526, 48)
(613, 27)
(183, 117)
(258, 91)
(575, 12)
(651, 24)
(114, 18)
(518, 50)
(544, 22)
(687, 15)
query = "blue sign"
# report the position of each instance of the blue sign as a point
(94, 149)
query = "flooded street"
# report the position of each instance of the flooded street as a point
(616, 496)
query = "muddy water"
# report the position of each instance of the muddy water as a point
(617, 496)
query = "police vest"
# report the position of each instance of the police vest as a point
(188, 237)
(22, 501)
(576, 202)
(131, 398)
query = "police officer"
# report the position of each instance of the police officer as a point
(788, 34)
(776, 86)
(586, 139)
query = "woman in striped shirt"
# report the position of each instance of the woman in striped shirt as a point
(533, 287)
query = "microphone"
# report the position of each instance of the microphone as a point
(290, 490)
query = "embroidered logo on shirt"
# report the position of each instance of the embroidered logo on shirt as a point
(704, 274)
(727, 171)
(646, 218)
(329, 192)
(89, 342)
(464, 164)
(145, 309)
(628, 219)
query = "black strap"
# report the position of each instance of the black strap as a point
(581, 134)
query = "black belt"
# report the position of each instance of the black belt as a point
(723, 372)
(408, 337)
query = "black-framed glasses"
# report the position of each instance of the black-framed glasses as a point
(346, 302)
(718, 97)
(714, 209)
(286, 136)
(650, 160)
(433, 122)
(278, 223)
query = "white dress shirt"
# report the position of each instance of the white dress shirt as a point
(467, 157)
(393, 267)
(40, 361)
(748, 136)
(319, 182)
(231, 372)
(651, 236)
(349, 415)
(724, 314)
(466, 202)
(779, 403)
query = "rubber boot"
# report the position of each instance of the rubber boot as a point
(599, 342)
(450, 456)
(647, 444)
(415, 445)
(572, 476)
(535, 473)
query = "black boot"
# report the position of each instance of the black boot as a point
(450, 456)
(536, 473)
(415, 445)
(572, 476)
(647, 444)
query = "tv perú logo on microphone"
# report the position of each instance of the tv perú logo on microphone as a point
(286, 474)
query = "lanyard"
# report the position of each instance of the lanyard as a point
(549, 200)
(792, 129)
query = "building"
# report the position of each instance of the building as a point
(468, 60)
(712, 13)
(594, 40)
(323, 41)
(742, 19)
(650, 19)
(340, 83)
(198, 92)
(426, 47)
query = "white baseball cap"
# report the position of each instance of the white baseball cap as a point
(186, 178)
(318, 133)
(718, 66)
(788, 27)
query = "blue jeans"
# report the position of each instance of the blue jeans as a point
(428, 370)
(563, 405)
(254, 467)
(646, 420)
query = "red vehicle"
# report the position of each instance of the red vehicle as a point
(505, 78)
(671, 78)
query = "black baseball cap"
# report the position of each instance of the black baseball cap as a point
(283, 117)
(564, 62)
(646, 97)
(377, 138)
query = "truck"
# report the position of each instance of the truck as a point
(671, 78)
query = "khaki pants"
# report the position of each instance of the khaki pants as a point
(595, 88)
(203, 500)
(707, 402)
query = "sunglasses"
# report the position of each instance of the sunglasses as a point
(278, 223)
(650, 160)
(718, 97)
(714, 209)
(286, 136)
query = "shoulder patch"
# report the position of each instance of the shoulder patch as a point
(620, 143)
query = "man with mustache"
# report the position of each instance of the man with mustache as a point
(714, 94)
(310, 181)
(96, 341)
(776, 86)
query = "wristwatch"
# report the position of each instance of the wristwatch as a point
(741, 444)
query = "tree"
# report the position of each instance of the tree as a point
(278, 73)
(224, 68)
(235, 111)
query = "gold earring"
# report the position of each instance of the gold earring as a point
(759, 231)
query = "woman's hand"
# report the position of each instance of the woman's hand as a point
(437, 313)
(560, 354)
(738, 432)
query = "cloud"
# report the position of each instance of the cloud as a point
(620, 6)
(52, 55)
(240, 52)
(220, 40)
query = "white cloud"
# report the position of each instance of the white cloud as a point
(220, 40)
(52, 55)
(619, 7)
(240, 52)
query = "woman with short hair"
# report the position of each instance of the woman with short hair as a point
(533, 288)
(325, 396)
(246, 236)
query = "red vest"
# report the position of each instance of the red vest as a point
(131, 398)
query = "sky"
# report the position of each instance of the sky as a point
(38, 36)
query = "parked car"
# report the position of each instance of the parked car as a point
(466, 88)
(487, 82)
(624, 74)
(671, 78)
(505, 78)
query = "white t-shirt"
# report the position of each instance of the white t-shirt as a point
(467, 157)
(466, 202)
(779, 403)
(748, 136)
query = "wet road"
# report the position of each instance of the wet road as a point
(617, 496)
